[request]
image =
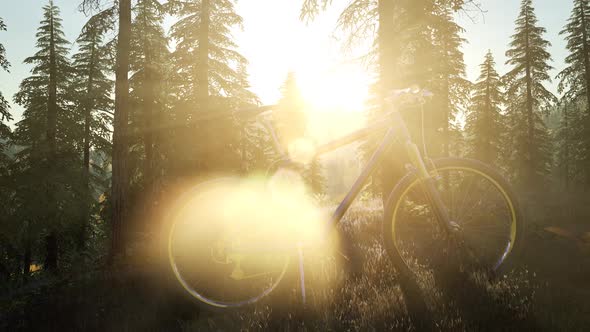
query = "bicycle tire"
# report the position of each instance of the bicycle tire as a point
(197, 296)
(392, 213)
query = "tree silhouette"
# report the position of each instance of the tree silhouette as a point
(575, 83)
(49, 134)
(485, 125)
(528, 98)
(93, 89)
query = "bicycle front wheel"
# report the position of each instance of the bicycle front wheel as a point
(217, 251)
(483, 210)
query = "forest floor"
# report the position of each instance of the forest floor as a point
(548, 291)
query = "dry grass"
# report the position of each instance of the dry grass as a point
(368, 297)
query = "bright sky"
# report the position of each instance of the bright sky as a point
(276, 42)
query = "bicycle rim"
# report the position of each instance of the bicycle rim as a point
(207, 258)
(479, 206)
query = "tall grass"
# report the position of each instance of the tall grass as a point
(361, 292)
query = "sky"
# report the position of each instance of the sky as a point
(276, 42)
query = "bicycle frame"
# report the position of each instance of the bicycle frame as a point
(396, 128)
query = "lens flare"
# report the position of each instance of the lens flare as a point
(231, 239)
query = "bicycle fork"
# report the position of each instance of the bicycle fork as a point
(426, 179)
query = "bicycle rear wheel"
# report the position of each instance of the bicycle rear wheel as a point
(218, 258)
(482, 207)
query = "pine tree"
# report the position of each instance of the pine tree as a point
(315, 178)
(528, 98)
(120, 148)
(290, 121)
(569, 149)
(450, 87)
(575, 80)
(49, 184)
(120, 174)
(403, 34)
(4, 107)
(6, 181)
(257, 150)
(209, 79)
(93, 88)
(149, 66)
(120, 151)
(484, 119)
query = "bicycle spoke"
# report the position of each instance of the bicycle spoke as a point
(479, 207)
(466, 193)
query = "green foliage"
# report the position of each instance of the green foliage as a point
(4, 107)
(150, 66)
(205, 51)
(485, 127)
(47, 174)
(421, 46)
(7, 254)
(449, 84)
(528, 99)
(93, 87)
(574, 84)
(178, 127)
(573, 79)
(33, 91)
(569, 149)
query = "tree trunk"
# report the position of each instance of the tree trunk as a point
(51, 238)
(27, 258)
(529, 111)
(491, 154)
(446, 151)
(51, 247)
(203, 61)
(390, 170)
(206, 153)
(586, 127)
(566, 157)
(119, 174)
(52, 100)
(89, 105)
(149, 100)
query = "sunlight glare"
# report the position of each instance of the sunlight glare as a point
(344, 87)
(302, 150)
(230, 230)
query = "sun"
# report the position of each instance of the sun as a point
(341, 88)
(335, 97)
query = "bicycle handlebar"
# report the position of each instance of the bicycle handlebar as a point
(405, 95)
(408, 95)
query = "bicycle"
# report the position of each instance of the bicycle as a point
(425, 206)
